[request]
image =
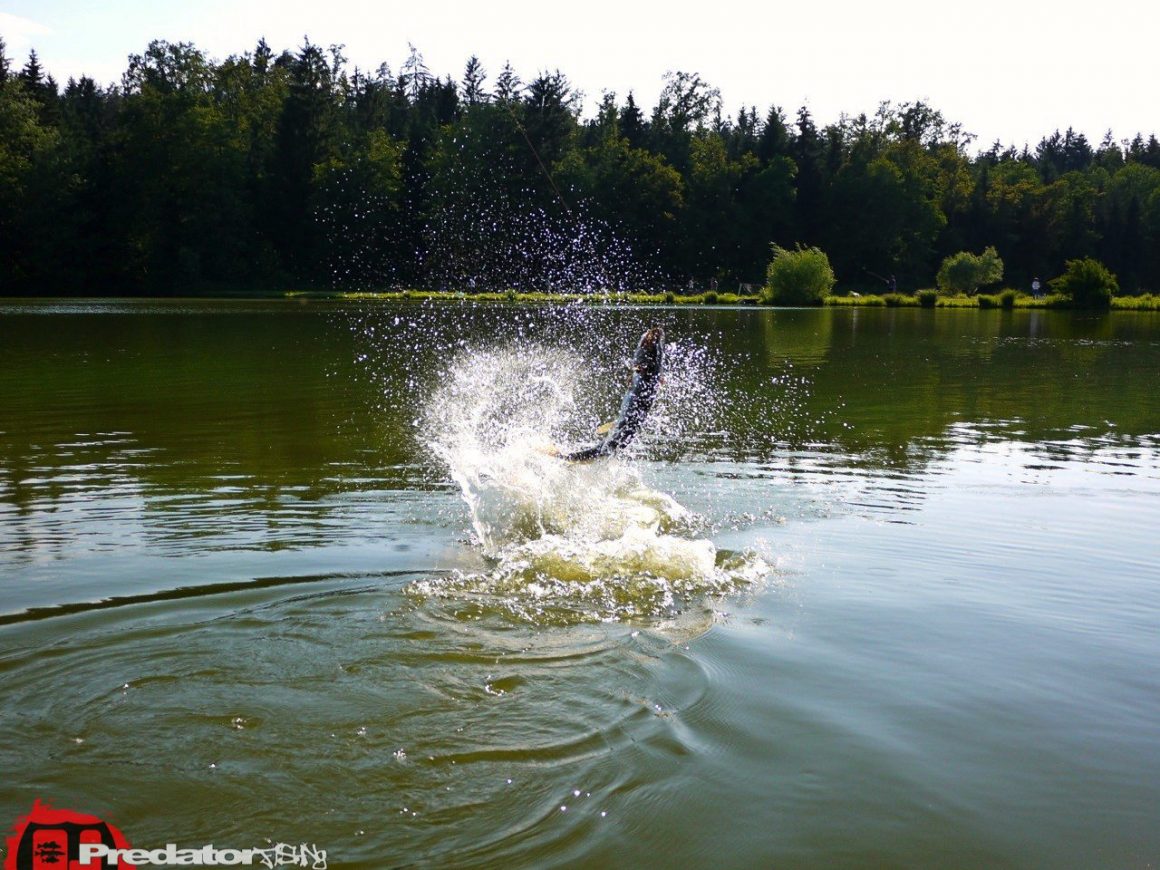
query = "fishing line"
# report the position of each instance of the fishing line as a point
(536, 154)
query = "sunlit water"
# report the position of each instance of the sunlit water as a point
(874, 587)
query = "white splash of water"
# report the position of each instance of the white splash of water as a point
(591, 539)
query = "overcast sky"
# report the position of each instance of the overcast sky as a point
(1004, 69)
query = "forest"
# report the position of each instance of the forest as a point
(275, 171)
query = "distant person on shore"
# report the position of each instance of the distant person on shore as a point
(891, 283)
(1036, 288)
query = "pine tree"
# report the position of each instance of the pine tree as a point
(606, 121)
(550, 115)
(1049, 157)
(306, 137)
(474, 76)
(774, 141)
(632, 123)
(32, 75)
(262, 57)
(42, 89)
(808, 153)
(508, 86)
(415, 74)
(743, 135)
(1150, 154)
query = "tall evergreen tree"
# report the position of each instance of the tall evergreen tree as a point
(550, 110)
(774, 140)
(633, 126)
(415, 75)
(508, 86)
(474, 76)
(808, 151)
(306, 137)
(42, 88)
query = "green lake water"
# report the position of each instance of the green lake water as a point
(244, 600)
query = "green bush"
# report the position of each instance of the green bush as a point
(965, 272)
(851, 301)
(986, 301)
(670, 297)
(1145, 302)
(959, 300)
(709, 297)
(1007, 298)
(927, 298)
(802, 276)
(1087, 282)
(893, 300)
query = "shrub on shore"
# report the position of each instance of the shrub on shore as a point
(900, 300)
(959, 300)
(1087, 282)
(802, 276)
(965, 272)
(1146, 302)
(866, 300)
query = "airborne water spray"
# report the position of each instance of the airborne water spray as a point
(567, 540)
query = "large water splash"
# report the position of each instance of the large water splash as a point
(569, 540)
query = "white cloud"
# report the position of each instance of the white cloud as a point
(17, 33)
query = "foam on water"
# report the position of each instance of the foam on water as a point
(565, 540)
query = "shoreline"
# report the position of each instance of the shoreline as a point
(1007, 300)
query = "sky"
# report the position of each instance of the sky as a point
(1006, 70)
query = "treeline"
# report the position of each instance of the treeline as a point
(292, 170)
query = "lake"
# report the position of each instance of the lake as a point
(873, 587)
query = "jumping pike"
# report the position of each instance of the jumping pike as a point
(647, 365)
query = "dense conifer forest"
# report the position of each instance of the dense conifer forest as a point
(286, 170)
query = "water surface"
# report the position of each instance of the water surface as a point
(243, 597)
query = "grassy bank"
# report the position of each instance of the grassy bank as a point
(1007, 299)
(669, 298)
